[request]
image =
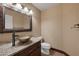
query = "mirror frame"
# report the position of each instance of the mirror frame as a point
(9, 31)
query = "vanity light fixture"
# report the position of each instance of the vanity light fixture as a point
(26, 9)
(19, 8)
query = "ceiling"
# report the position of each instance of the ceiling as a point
(44, 6)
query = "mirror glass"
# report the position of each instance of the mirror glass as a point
(16, 20)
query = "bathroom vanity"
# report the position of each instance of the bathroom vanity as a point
(13, 21)
(27, 49)
(33, 50)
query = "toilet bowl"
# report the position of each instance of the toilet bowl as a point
(45, 47)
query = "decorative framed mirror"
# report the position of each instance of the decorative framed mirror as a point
(16, 19)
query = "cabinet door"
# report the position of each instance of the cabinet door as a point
(36, 52)
(1, 19)
(33, 50)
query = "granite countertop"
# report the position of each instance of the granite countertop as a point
(8, 50)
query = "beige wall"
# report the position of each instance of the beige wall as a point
(70, 35)
(36, 18)
(51, 26)
(56, 26)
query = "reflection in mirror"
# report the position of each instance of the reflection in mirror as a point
(16, 20)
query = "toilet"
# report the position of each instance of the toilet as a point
(45, 47)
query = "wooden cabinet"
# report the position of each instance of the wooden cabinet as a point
(33, 50)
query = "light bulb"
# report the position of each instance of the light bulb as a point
(18, 6)
(26, 9)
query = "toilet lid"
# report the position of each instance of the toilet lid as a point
(45, 45)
